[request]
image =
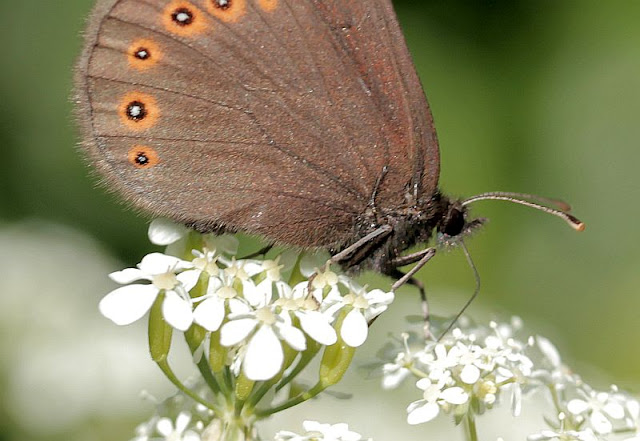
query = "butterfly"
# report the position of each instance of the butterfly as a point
(301, 121)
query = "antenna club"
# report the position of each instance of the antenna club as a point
(577, 224)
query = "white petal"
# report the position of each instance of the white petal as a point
(614, 410)
(577, 406)
(423, 383)
(314, 426)
(177, 311)
(264, 356)
(423, 413)
(214, 284)
(317, 326)
(210, 313)
(127, 304)
(470, 374)
(516, 400)
(188, 279)
(164, 426)
(235, 331)
(634, 408)
(454, 395)
(127, 275)
(182, 421)
(252, 267)
(549, 351)
(393, 378)
(238, 307)
(600, 423)
(293, 336)
(379, 296)
(354, 329)
(190, 435)
(257, 295)
(158, 263)
(164, 232)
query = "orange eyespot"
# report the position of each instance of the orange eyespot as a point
(268, 5)
(184, 19)
(138, 111)
(142, 156)
(226, 10)
(143, 54)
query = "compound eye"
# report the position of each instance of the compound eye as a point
(454, 223)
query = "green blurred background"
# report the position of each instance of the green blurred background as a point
(531, 96)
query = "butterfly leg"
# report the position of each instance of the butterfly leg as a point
(361, 244)
(421, 257)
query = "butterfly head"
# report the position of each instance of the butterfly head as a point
(456, 224)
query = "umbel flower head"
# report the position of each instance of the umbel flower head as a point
(246, 319)
(473, 368)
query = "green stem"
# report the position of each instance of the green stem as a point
(417, 372)
(205, 371)
(222, 382)
(472, 430)
(195, 337)
(258, 394)
(166, 369)
(315, 390)
(308, 355)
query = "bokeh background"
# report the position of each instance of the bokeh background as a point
(531, 96)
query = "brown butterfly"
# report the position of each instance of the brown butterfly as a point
(302, 121)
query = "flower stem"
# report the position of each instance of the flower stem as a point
(166, 369)
(312, 350)
(470, 424)
(315, 390)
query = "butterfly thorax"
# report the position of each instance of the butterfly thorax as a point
(410, 226)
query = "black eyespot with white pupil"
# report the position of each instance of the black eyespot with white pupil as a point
(136, 111)
(142, 159)
(182, 16)
(222, 4)
(142, 54)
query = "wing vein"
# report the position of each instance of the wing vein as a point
(300, 160)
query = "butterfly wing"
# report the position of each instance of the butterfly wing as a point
(274, 117)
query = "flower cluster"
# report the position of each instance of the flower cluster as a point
(468, 371)
(252, 315)
(315, 431)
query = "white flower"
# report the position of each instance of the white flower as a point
(211, 310)
(205, 262)
(320, 432)
(262, 329)
(600, 407)
(364, 307)
(129, 303)
(434, 395)
(393, 374)
(564, 435)
(298, 303)
(244, 270)
(165, 232)
(440, 361)
(633, 421)
(177, 432)
(325, 282)
(145, 430)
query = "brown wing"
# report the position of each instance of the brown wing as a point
(273, 117)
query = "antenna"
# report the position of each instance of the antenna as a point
(521, 198)
(476, 275)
